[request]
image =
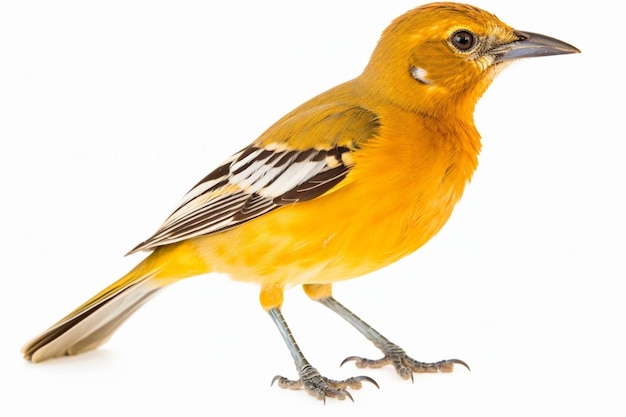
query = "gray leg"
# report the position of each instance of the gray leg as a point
(393, 354)
(310, 379)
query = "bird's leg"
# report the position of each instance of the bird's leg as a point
(310, 379)
(393, 354)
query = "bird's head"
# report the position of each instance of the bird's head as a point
(446, 54)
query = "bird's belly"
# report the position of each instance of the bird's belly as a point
(336, 237)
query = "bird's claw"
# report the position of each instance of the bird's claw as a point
(405, 365)
(321, 387)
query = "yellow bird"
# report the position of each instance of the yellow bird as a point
(347, 183)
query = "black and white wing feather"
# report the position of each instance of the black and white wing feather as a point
(270, 173)
(252, 182)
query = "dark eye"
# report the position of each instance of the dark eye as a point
(463, 40)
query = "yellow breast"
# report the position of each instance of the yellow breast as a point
(401, 191)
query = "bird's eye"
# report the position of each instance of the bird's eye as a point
(463, 40)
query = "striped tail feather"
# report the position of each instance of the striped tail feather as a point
(91, 324)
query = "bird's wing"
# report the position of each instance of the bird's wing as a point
(303, 156)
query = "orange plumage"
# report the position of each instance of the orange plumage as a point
(347, 183)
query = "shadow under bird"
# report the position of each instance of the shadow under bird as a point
(347, 183)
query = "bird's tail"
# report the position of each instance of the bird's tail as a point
(91, 324)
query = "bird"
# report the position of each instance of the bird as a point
(345, 184)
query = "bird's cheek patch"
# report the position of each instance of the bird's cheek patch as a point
(421, 75)
(484, 61)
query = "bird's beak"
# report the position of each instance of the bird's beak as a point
(532, 44)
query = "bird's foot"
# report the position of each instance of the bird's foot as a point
(321, 387)
(405, 365)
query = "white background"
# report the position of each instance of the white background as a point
(111, 111)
